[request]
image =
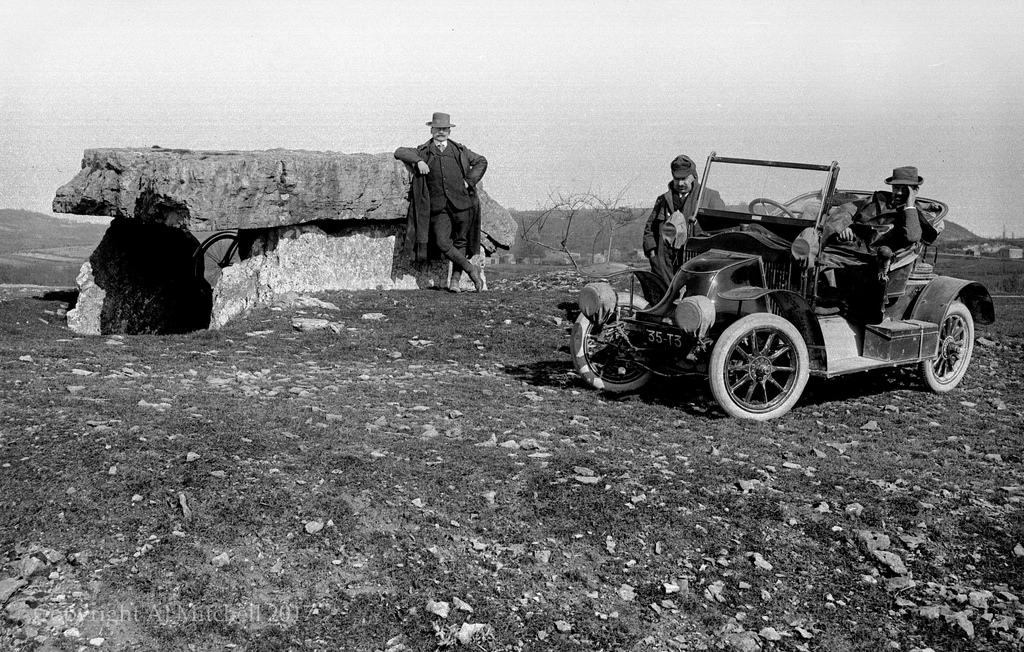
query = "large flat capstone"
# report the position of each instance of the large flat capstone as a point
(308, 221)
(212, 190)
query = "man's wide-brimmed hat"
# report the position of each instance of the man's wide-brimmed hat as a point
(905, 176)
(442, 120)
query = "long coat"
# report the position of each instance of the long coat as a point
(417, 236)
(664, 263)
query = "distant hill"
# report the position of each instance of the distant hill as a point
(954, 233)
(587, 232)
(22, 231)
(41, 249)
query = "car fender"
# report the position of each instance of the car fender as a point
(931, 304)
(792, 307)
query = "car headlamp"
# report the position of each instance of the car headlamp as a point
(597, 302)
(695, 314)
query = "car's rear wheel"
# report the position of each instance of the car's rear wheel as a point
(956, 345)
(599, 354)
(759, 367)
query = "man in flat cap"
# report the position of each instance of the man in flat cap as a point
(670, 221)
(444, 207)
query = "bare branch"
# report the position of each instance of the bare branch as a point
(569, 208)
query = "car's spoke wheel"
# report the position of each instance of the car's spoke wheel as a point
(956, 346)
(759, 367)
(601, 355)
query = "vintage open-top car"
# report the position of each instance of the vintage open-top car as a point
(744, 311)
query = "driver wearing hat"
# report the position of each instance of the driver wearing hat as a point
(896, 208)
(864, 238)
(888, 218)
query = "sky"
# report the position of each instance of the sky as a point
(566, 95)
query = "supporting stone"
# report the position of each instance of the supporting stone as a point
(84, 318)
(314, 258)
(145, 281)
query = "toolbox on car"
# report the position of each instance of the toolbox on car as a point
(897, 341)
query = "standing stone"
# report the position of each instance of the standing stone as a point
(149, 280)
(84, 318)
(310, 258)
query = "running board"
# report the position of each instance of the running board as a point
(891, 344)
(858, 363)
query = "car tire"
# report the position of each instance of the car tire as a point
(956, 346)
(596, 361)
(759, 367)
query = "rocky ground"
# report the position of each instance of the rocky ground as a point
(420, 471)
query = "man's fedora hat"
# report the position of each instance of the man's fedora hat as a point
(442, 120)
(905, 176)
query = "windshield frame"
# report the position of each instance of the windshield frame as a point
(738, 218)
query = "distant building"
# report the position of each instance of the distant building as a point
(1013, 253)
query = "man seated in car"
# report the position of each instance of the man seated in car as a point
(892, 219)
(863, 229)
(865, 235)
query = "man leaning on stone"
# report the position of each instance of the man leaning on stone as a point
(443, 202)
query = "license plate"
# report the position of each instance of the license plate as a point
(658, 337)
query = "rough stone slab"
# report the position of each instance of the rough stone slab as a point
(212, 190)
(305, 259)
(84, 318)
(236, 189)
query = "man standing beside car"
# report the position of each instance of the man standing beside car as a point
(444, 205)
(669, 223)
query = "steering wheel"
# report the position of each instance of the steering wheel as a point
(773, 204)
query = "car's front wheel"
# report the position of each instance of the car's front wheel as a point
(759, 367)
(956, 345)
(600, 354)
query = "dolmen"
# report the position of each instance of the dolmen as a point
(304, 222)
